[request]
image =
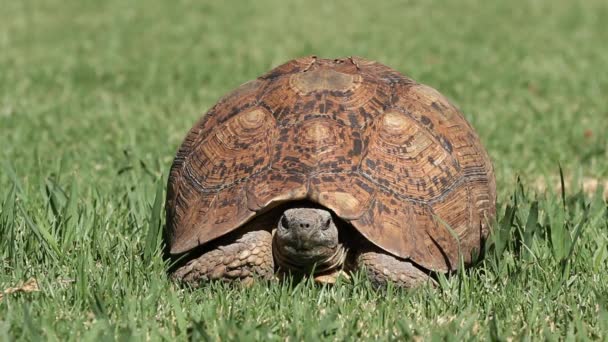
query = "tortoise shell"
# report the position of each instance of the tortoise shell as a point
(389, 156)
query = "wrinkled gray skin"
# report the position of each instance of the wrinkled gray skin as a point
(304, 240)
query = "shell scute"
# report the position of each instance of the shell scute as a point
(392, 157)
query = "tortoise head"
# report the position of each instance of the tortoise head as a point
(306, 239)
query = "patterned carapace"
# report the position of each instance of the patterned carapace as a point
(389, 156)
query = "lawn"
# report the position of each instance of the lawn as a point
(96, 96)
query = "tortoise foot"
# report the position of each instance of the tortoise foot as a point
(382, 268)
(249, 257)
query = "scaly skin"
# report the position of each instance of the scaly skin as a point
(248, 257)
(382, 268)
(305, 239)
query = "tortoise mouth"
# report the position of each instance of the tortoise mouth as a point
(310, 254)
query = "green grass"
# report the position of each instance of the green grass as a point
(96, 96)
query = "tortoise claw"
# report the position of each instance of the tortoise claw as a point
(332, 278)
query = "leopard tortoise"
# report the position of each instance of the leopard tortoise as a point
(328, 166)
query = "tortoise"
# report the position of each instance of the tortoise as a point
(326, 166)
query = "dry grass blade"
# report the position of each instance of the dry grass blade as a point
(31, 285)
(332, 278)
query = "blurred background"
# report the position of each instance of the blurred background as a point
(107, 86)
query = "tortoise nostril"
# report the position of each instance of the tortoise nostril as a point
(307, 225)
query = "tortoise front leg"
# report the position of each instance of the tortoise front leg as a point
(247, 257)
(382, 268)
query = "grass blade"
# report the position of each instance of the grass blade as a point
(45, 238)
(154, 224)
(562, 182)
(530, 228)
(8, 224)
(8, 169)
(577, 233)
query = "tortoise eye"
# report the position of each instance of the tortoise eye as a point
(284, 222)
(327, 223)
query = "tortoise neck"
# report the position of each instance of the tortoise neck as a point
(332, 262)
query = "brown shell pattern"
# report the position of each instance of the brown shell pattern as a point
(392, 157)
